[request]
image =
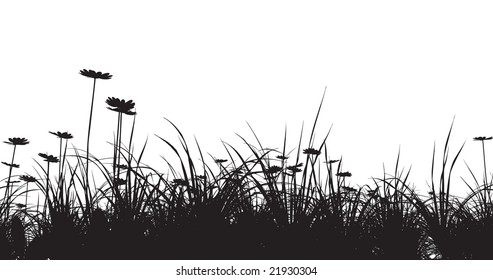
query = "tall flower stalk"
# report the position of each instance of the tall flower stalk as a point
(121, 107)
(94, 75)
(15, 141)
(49, 159)
(28, 179)
(62, 136)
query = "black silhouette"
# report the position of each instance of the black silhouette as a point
(267, 204)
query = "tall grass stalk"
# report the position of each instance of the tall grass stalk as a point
(441, 210)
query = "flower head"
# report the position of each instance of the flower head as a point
(348, 189)
(236, 171)
(180, 182)
(295, 168)
(95, 75)
(200, 177)
(120, 105)
(344, 174)
(332, 161)
(234, 181)
(27, 178)
(121, 166)
(48, 158)
(482, 138)
(17, 141)
(20, 205)
(119, 181)
(273, 169)
(13, 165)
(62, 135)
(283, 157)
(372, 192)
(220, 160)
(311, 151)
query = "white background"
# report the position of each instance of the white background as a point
(325, 269)
(396, 72)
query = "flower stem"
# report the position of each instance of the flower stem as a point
(120, 120)
(48, 185)
(27, 191)
(89, 133)
(485, 174)
(484, 162)
(7, 190)
(60, 186)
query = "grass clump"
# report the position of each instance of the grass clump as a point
(264, 203)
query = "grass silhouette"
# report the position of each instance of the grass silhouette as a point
(260, 204)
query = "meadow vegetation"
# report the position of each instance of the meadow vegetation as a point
(289, 203)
